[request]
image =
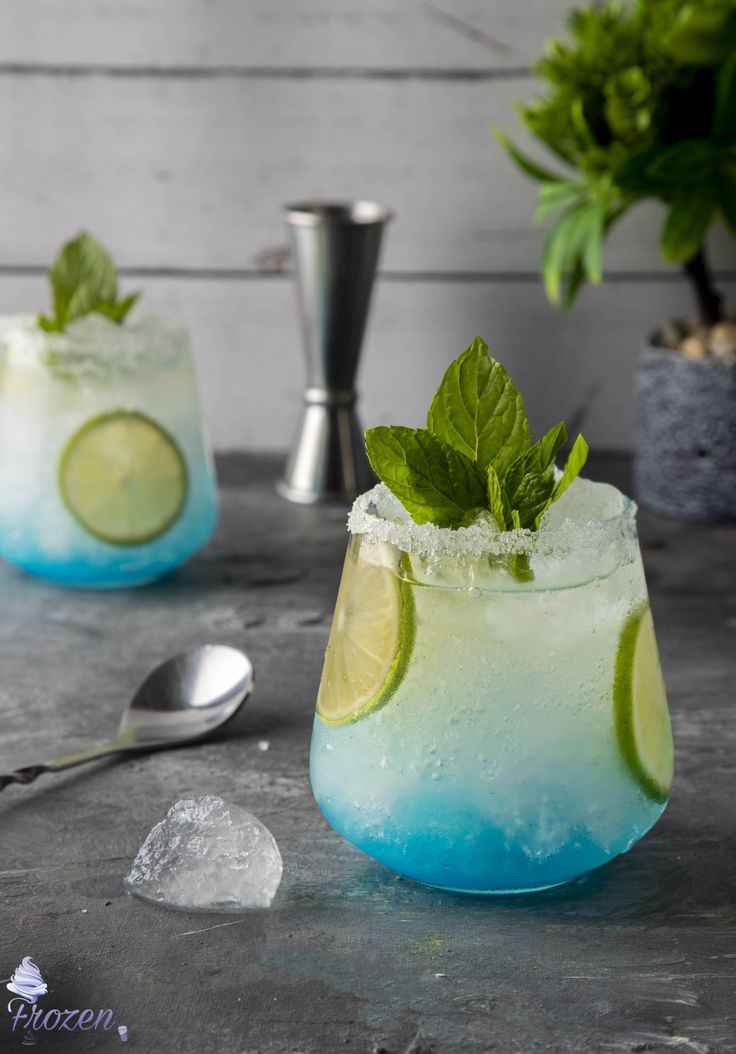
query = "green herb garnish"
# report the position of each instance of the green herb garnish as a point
(475, 454)
(84, 280)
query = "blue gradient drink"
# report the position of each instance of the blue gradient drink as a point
(486, 731)
(104, 470)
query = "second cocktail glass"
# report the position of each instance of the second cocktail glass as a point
(106, 477)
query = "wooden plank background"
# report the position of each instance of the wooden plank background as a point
(175, 130)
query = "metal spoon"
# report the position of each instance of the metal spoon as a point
(183, 699)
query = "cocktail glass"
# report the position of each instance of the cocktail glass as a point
(483, 730)
(105, 474)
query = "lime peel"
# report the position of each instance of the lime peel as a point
(374, 628)
(640, 707)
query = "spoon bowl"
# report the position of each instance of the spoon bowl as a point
(187, 696)
(183, 699)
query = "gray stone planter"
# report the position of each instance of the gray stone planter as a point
(685, 464)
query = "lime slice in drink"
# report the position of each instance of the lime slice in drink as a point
(640, 707)
(123, 478)
(371, 639)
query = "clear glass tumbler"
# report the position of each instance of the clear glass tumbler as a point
(105, 474)
(483, 730)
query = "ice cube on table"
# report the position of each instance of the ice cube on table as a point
(207, 855)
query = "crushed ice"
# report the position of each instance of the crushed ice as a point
(207, 855)
(598, 508)
(92, 347)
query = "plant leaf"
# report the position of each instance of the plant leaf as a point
(552, 197)
(544, 451)
(690, 161)
(49, 325)
(433, 481)
(537, 459)
(527, 166)
(632, 174)
(575, 282)
(702, 35)
(83, 280)
(687, 223)
(564, 242)
(117, 310)
(530, 480)
(81, 275)
(724, 114)
(497, 502)
(580, 122)
(726, 195)
(557, 252)
(573, 467)
(478, 411)
(519, 562)
(592, 252)
(532, 496)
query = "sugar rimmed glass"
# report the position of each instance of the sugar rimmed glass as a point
(483, 733)
(73, 408)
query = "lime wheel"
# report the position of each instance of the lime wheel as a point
(371, 639)
(123, 478)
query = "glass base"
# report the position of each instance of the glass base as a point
(99, 587)
(71, 577)
(467, 855)
(111, 567)
(505, 892)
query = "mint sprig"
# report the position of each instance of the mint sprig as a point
(478, 411)
(434, 482)
(476, 452)
(84, 279)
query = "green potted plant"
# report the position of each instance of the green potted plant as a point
(641, 104)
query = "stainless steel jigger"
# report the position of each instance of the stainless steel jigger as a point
(335, 249)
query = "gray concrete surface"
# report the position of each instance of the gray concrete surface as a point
(640, 956)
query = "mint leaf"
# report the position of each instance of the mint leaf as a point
(475, 458)
(547, 447)
(519, 562)
(81, 276)
(573, 467)
(531, 497)
(538, 460)
(84, 279)
(478, 411)
(434, 482)
(117, 310)
(497, 502)
(49, 325)
(529, 483)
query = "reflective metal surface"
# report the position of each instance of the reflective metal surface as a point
(183, 699)
(336, 249)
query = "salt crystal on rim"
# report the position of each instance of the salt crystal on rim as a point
(587, 514)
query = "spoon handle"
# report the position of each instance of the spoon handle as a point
(32, 772)
(26, 775)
